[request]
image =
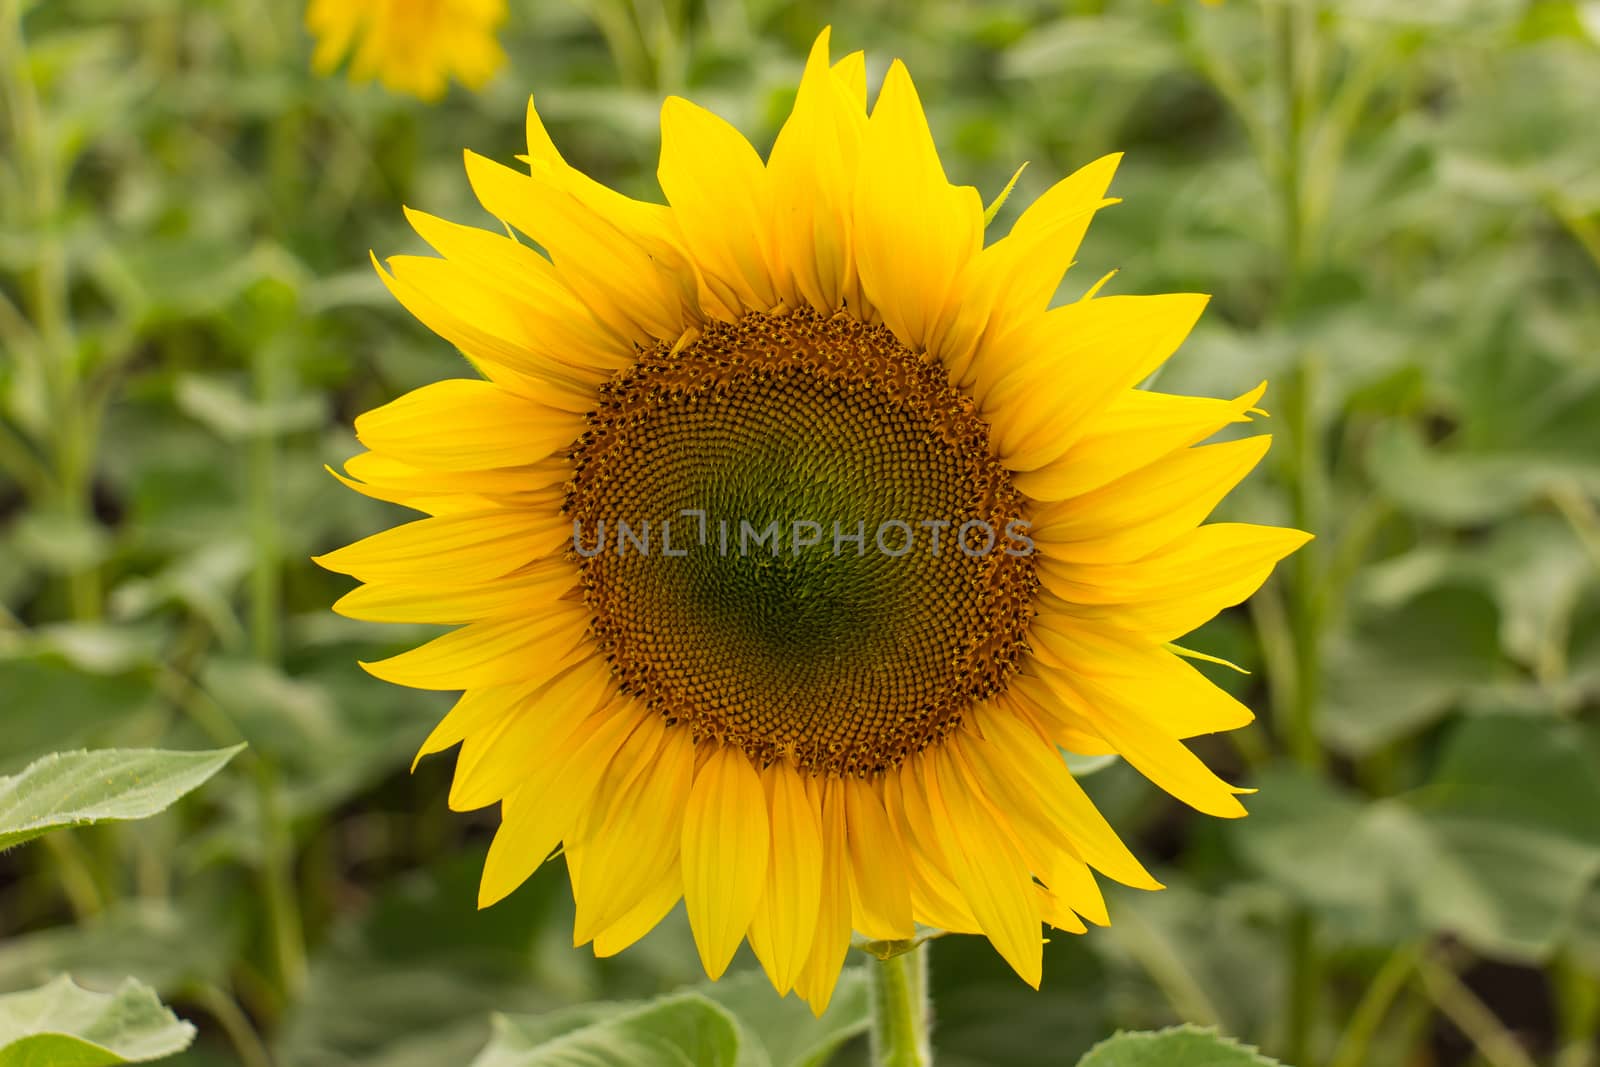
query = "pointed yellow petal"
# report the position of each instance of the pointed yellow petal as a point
(537, 816)
(820, 974)
(1027, 777)
(1186, 702)
(497, 761)
(785, 922)
(880, 891)
(630, 835)
(1042, 383)
(519, 594)
(497, 652)
(1056, 913)
(722, 203)
(935, 900)
(1138, 428)
(470, 547)
(913, 231)
(556, 328)
(1148, 509)
(1018, 275)
(813, 173)
(726, 844)
(644, 916)
(635, 281)
(991, 875)
(1171, 591)
(476, 709)
(1134, 732)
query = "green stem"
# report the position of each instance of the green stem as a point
(1304, 984)
(1497, 1045)
(900, 1010)
(1578, 995)
(71, 431)
(1374, 1006)
(235, 1023)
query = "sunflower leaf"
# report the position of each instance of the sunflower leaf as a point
(685, 1030)
(80, 788)
(65, 1025)
(1180, 1046)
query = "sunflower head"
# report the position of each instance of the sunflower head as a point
(410, 46)
(791, 533)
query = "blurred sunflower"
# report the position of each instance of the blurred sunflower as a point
(410, 46)
(815, 737)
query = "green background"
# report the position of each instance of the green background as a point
(1397, 207)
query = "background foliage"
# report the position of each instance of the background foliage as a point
(1397, 207)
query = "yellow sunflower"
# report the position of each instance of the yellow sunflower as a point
(791, 533)
(410, 46)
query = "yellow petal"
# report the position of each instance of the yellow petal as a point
(820, 974)
(1166, 594)
(1187, 702)
(555, 326)
(519, 594)
(785, 922)
(1139, 737)
(470, 547)
(913, 231)
(1027, 777)
(496, 761)
(1138, 428)
(537, 816)
(1028, 699)
(726, 838)
(1040, 386)
(986, 867)
(722, 203)
(497, 652)
(643, 917)
(474, 710)
(813, 174)
(880, 891)
(487, 332)
(1148, 509)
(1018, 275)
(537, 486)
(637, 283)
(1057, 913)
(625, 851)
(935, 900)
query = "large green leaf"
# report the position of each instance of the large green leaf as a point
(65, 1025)
(686, 1030)
(1498, 848)
(80, 788)
(784, 1027)
(1181, 1046)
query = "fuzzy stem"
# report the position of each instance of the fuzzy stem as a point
(900, 1010)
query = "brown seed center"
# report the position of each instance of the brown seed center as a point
(794, 538)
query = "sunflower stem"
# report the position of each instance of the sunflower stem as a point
(900, 1010)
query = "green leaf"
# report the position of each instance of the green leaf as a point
(1496, 849)
(80, 788)
(65, 1025)
(784, 1027)
(685, 1030)
(1181, 1046)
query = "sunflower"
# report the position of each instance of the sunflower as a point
(411, 46)
(791, 534)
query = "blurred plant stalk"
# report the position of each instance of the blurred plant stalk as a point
(70, 419)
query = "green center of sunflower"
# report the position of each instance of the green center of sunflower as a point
(794, 539)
